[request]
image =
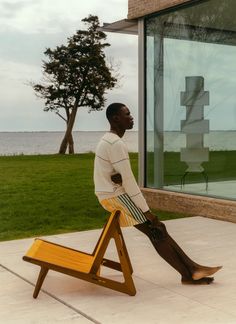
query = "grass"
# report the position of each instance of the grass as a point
(50, 194)
(220, 167)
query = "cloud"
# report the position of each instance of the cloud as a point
(47, 16)
(11, 9)
(27, 28)
(27, 48)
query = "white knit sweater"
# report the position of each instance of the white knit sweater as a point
(112, 157)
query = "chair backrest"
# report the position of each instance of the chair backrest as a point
(102, 239)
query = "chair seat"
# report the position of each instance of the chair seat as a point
(51, 256)
(60, 256)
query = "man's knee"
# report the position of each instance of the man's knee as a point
(155, 233)
(158, 232)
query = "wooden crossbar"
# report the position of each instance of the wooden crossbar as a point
(52, 256)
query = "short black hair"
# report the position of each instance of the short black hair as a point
(113, 109)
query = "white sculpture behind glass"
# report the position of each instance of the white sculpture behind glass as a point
(194, 126)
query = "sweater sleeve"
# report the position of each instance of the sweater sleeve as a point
(119, 158)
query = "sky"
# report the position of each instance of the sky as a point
(216, 64)
(27, 28)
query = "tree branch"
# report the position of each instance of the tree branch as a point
(61, 116)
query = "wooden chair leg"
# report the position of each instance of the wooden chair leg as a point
(41, 277)
(125, 250)
(99, 271)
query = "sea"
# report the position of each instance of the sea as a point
(36, 143)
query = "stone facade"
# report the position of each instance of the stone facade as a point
(191, 204)
(140, 8)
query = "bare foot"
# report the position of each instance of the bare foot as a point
(205, 272)
(202, 281)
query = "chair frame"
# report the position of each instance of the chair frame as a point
(110, 231)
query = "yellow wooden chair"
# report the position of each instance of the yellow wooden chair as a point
(51, 256)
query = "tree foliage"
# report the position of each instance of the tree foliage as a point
(76, 75)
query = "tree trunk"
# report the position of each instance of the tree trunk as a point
(71, 144)
(68, 139)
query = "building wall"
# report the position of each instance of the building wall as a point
(175, 201)
(191, 204)
(139, 8)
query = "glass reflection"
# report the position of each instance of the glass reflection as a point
(191, 145)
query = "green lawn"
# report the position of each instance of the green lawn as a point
(220, 167)
(50, 194)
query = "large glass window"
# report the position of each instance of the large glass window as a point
(191, 99)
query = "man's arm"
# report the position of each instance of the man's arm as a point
(119, 158)
(117, 178)
(121, 164)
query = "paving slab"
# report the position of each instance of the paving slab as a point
(160, 298)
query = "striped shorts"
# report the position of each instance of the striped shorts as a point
(130, 213)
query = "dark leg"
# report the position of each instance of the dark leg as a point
(166, 251)
(198, 271)
(170, 251)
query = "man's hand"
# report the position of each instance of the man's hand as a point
(150, 216)
(117, 178)
(157, 228)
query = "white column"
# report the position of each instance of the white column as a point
(194, 126)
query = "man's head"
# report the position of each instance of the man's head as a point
(119, 117)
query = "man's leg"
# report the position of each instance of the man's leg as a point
(170, 251)
(198, 271)
(166, 247)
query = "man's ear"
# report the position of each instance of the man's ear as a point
(116, 118)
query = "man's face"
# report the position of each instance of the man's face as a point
(125, 119)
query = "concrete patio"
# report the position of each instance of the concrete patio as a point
(160, 296)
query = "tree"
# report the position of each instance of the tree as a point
(76, 75)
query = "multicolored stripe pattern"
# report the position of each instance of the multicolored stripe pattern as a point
(130, 213)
